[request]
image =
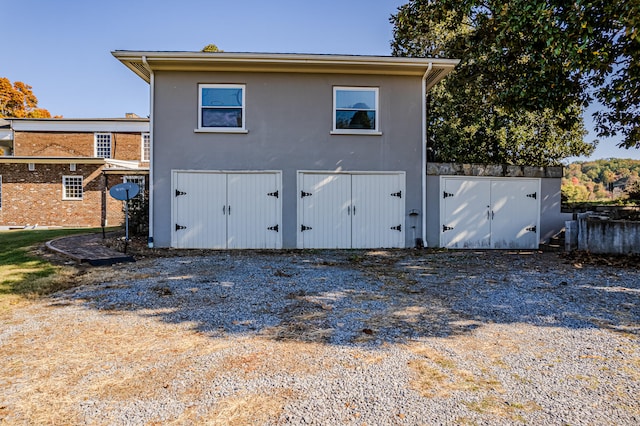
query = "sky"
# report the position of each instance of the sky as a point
(63, 48)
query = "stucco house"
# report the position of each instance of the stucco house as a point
(56, 172)
(255, 150)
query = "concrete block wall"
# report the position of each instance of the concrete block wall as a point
(35, 197)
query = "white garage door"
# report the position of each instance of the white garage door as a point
(226, 210)
(501, 213)
(364, 210)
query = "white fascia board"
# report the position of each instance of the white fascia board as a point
(84, 126)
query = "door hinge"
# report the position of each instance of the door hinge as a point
(446, 194)
(304, 194)
(179, 227)
(273, 194)
(397, 228)
(531, 229)
(397, 194)
(274, 228)
(446, 228)
(304, 228)
(534, 195)
(178, 193)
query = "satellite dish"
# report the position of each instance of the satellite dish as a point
(124, 191)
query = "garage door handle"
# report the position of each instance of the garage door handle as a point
(354, 210)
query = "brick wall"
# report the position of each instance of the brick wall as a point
(124, 146)
(35, 197)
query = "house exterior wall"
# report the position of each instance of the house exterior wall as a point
(124, 146)
(289, 120)
(35, 197)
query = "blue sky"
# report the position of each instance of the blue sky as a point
(62, 48)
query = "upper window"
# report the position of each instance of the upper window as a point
(355, 110)
(221, 107)
(72, 187)
(102, 145)
(146, 146)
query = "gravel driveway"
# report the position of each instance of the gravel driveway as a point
(330, 338)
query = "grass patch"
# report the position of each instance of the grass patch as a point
(22, 273)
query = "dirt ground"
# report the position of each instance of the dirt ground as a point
(68, 360)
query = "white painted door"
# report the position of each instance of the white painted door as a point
(466, 221)
(325, 212)
(200, 201)
(515, 207)
(351, 210)
(377, 211)
(498, 213)
(252, 210)
(226, 210)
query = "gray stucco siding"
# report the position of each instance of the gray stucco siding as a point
(289, 123)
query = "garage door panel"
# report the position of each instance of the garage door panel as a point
(252, 211)
(326, 210)
(378, 211)
(466, 221)
(199, 209)
(515, 213)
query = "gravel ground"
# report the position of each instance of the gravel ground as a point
(330, 338)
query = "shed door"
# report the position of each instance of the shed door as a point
(199, 210)
(252, 212)
(325, 213)
(515, 208)
(377, 211)
(466, 213)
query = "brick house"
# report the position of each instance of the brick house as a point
(57, 172)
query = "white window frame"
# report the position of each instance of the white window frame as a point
(145, 147)
(242, 129)
(372, 132)
(138, 180)
(98, 145)
(66, 184)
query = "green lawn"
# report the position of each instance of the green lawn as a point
(24, 275)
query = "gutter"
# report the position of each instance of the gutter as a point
(424, 153)
(151, 98)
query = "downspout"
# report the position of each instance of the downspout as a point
(151, 91)
(424, 153)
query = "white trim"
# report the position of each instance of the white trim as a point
(221, 130)
(64, 196)
(423, 172)
(241, 129)
(85, 126)
(151, 133)
(376, 130)
(98, 135)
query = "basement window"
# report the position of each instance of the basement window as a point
(72, 187)
(31, 167)
(355, 110)
(221, 108)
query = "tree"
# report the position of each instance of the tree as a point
(17, 100)
(537, 55)
(211, 48)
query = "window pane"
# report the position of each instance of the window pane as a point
(221, 117)
(355, 99)
(355, 120)
(221, 97)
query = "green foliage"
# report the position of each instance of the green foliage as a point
(22, 273)
(601, 180)
(211, 48)
(139, 214)
(535, 56)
